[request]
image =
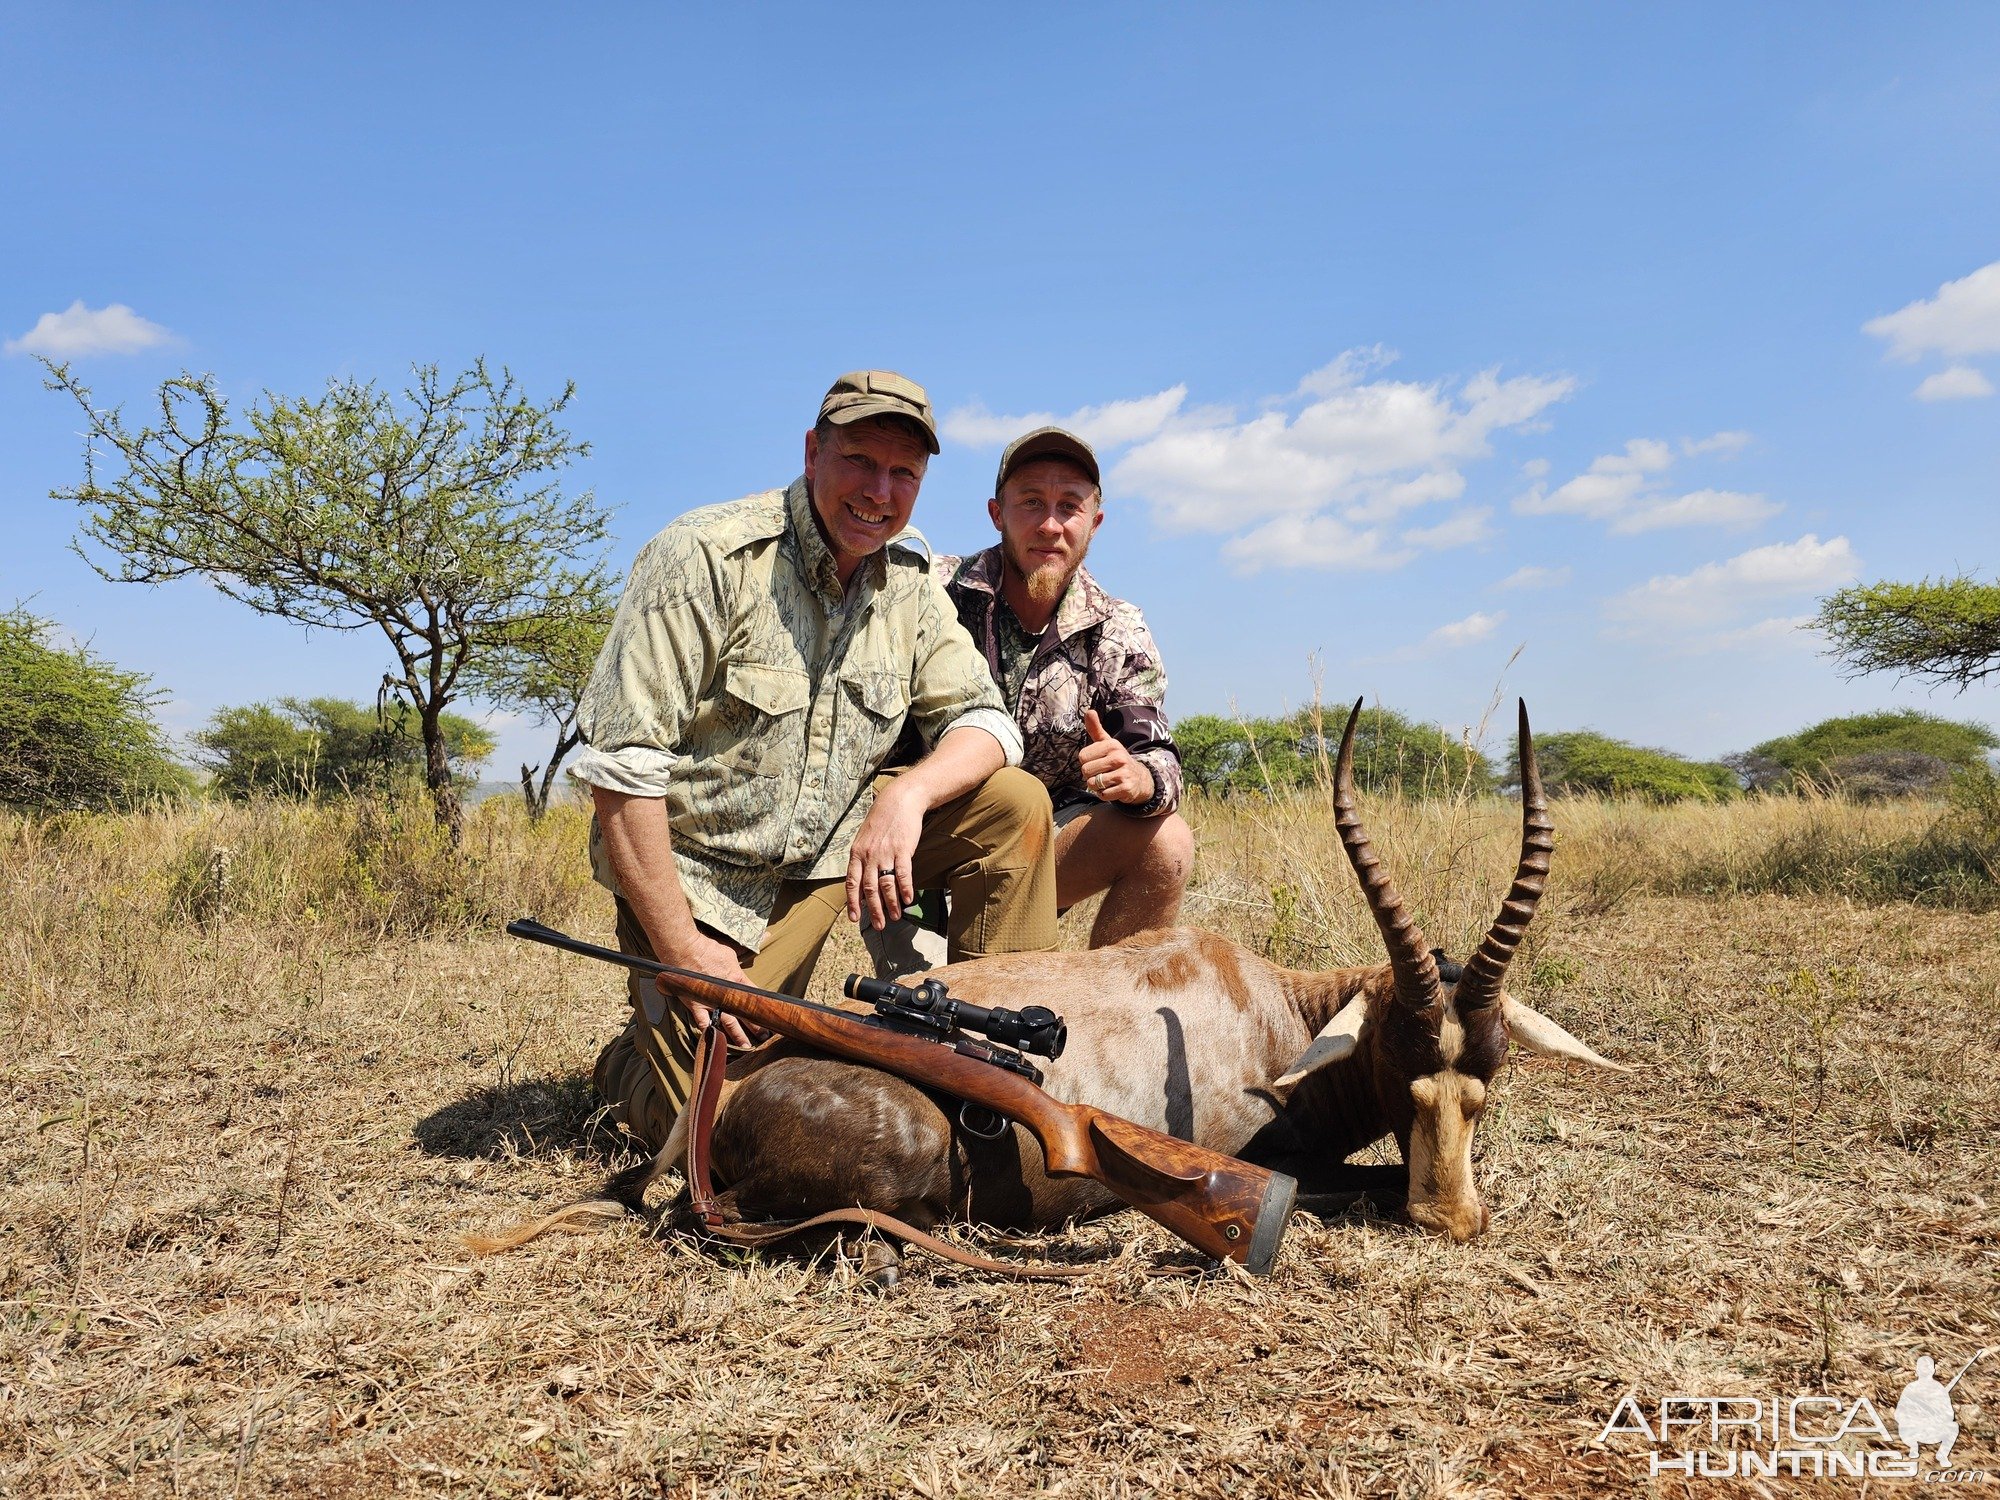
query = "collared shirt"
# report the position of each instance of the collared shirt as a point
(744, 686)
(1095, 652)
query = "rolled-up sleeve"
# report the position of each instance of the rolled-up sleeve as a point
(636, 770)
(995, 723)
(950, 684)
(656, 662)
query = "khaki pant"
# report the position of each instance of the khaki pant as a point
(904, 947)
(992, 849)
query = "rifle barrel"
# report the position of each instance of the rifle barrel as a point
(536, 932)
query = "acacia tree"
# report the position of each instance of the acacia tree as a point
(303, 747)
(1945, 632)
(545, 677)
(431, 519)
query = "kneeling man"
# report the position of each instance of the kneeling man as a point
(1080, 673)
(763, 663)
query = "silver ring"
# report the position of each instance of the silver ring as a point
(885, 874)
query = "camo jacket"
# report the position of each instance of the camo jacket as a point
(1096, 652)
(740, 683)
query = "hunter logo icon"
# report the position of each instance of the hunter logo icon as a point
(1924, 1413)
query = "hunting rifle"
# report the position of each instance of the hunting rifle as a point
(1223, 1207)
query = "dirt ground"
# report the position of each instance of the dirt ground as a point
(228, 1261)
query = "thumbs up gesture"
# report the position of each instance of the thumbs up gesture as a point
(1109, 772)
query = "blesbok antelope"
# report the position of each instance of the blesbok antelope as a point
(1179, 1030)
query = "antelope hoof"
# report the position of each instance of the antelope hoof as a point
(878, 1266)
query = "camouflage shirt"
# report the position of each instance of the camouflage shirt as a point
(739, 683)
(1096, 652)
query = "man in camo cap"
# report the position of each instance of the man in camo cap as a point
(763, 662)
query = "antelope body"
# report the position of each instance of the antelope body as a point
(1179, 1030)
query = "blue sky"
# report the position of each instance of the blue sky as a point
(1411, 336)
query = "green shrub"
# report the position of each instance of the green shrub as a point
(1837, 750)
(1221, 756)
(1975, 816)
(76, 733)
(1584, 762)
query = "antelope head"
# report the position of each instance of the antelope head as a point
(1426, 1039)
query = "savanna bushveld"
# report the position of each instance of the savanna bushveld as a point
(268, 1059)
(271, 1057)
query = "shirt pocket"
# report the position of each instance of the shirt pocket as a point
(883, 699)
(764, 719)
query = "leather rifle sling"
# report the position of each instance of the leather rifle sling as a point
(754, 1236)
(711, 1058)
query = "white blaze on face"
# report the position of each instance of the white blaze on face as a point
(1443, 1198)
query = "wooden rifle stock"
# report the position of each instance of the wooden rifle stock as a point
(1223, 1207)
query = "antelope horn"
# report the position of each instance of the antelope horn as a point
(1416, 972)
(1479, 985)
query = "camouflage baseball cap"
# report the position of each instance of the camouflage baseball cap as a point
(1047, 442)
(878, 393)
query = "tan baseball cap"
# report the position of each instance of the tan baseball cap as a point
(1047, 442)
(878, 393)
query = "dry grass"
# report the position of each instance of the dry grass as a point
(252, 1099)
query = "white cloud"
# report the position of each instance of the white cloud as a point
(1722, 444)
(1720, 593)
(1535, 468)
(1393, 499)
(1962, 319)
(1782, 633)
(1956, 383)
(1366, 450)
(1344, 370)
(1462, 530)
(1725, 508)
(1472, 629)
(1610, 485)
(1533, 577)
(1112, 425)
(1304, 479)
(1628, 490)
(80, 330)
(1641, 456)
(1313, 542)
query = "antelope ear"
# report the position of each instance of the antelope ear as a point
(1336, 1040)
(1544, 1038)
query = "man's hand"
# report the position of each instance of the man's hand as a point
(1109, 771)
(879, 880)
(705, 955)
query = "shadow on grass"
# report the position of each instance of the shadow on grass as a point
(1353, 1192)
(535, 1117)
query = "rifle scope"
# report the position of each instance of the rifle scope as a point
(1033, 1028)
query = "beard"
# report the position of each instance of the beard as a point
(1045, 583)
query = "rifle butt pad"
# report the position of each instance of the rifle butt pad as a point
(1224, 1207)
(1273, 1214)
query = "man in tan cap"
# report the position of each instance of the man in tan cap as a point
(1079, 671)
(764, 660)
